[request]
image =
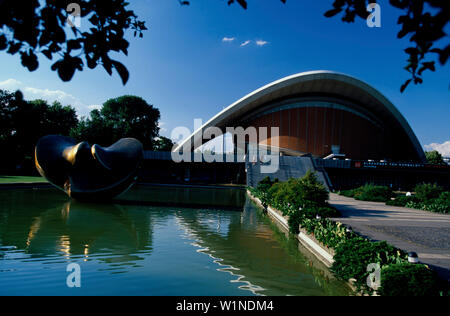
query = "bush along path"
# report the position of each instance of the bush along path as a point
(372, 267)
(427, 197)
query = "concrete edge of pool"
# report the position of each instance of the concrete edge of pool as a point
(324, 255)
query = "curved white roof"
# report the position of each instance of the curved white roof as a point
(321, 81)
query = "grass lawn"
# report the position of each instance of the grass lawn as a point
(20, 179)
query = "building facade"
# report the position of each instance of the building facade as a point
(321, 113)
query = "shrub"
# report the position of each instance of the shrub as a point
(444, 202)
(348, 193)
(311, 190)
(370, 192)
(299, 217)
(353, 256)
(401, 200)
(293, 194)
(328, 232)
(265, 184)
(426, 192)
(406, 279)
(323, 212)
(439, 205)
(295, 220)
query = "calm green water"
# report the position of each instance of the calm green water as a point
(131, 249)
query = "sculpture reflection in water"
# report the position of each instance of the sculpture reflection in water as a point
(119, 237)
(87, 172)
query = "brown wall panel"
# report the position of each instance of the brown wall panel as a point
(311, 129)
(319, 134)
(328, 131)
(315, 130)
(293, 124)
(302, 130)
(284, 130)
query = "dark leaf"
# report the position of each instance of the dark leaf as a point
(107, 64)
(29, 60)
(91, 63)
(332, 12)
(243, 3)
(14, 47)
(47, 53)
(123, 72)
(3, 42)
(73, 44)
(405, 85)
(66, 67)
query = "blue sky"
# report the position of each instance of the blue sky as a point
(183, 66)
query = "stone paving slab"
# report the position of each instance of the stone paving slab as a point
(424, 232)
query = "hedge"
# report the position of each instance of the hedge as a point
(428, 197)
(406, 279)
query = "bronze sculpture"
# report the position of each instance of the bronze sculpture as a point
(87, 172)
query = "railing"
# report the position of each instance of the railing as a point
(195, 157)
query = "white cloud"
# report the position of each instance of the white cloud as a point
(94, 107)
(228, 39)
(443, 149)
(161, 128)
(10, 84)
(32, 93)
(245, 43)
(261, 43)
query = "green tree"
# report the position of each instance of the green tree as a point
(94, 129)
(163, 144)
(31, 28)
(125, 116)
(6, 110)
(24, 122)
(434, 157)
(35, 119)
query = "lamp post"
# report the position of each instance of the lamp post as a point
(413, 257)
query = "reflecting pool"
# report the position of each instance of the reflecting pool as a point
(132, 249)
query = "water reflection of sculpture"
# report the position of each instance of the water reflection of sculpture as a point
(85, 172)
(112, 234)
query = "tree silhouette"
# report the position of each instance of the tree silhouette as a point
(31, 28)
(125, 116)
(23, 122)
(423, 21)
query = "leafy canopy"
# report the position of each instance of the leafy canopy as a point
(125, 116)
(435, 158)
(32, 28)
(23, 122)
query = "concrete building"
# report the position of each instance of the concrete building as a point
(322, 113)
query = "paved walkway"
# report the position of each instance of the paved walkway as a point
(424, 232)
